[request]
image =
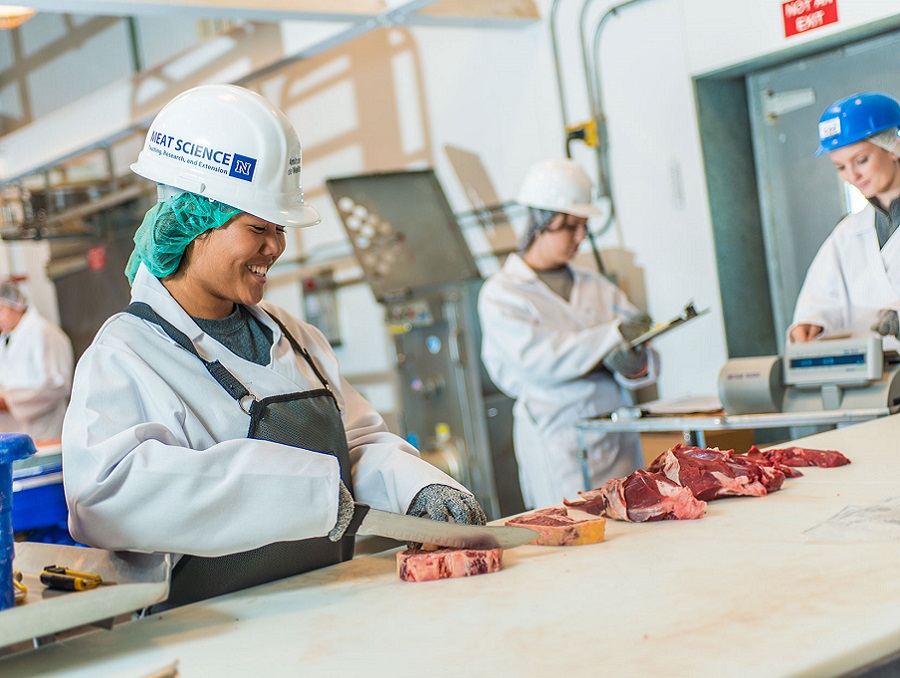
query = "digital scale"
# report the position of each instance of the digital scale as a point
(828, 374)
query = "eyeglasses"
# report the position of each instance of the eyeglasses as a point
(571, 228)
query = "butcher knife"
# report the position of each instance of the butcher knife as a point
(369, 521)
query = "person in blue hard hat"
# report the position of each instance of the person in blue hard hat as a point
(853, 284)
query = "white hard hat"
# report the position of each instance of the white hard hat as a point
(231, 145)
(559, 185)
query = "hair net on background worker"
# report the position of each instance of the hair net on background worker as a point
(169, 227)
(538, 220)
(888, 139)
(11, 295)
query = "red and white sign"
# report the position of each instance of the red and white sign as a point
(96, 258)
(801, 16)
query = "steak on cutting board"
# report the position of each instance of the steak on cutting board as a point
(447, 563)
(555, 527)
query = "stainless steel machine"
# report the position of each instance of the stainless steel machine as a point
(831, 374)
(420, 268)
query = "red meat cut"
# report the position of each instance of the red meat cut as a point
(555, 527)
(641, 497)
(799, 456)
(712, 473)
(446, 563)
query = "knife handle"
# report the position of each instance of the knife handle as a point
(359, 513)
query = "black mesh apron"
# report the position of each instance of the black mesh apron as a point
(310, 420)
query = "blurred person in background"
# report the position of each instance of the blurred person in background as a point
(36, 363)
(554, 338)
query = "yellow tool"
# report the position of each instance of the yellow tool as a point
(21, 591)
(64, 579)
(586, 131)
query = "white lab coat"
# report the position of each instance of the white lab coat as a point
(542, 350)
(851, 279)
(155, 453)
(35, 377)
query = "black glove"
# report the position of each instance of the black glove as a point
(887, 324)
(633, 327)
(626, 360)
(345, 514)
(440, 502)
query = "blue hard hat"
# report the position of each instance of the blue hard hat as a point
(855, 119)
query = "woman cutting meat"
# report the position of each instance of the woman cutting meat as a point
(853, 284)
(205, 422)
(553, 340)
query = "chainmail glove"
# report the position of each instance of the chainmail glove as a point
(443, 503)
(626, 360)
(633, 327)
(345, 514)
(887, 325)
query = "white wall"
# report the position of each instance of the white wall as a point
(493, 92)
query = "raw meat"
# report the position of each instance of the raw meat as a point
(641, 497)
(444, 563)
(799, 456)
(712, 473)
(556, 528)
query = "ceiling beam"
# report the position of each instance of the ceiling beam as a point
(384, 11)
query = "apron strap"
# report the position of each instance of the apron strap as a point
(306, 356)
(218, 371)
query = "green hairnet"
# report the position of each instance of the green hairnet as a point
(169, 227)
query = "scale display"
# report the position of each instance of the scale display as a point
(830, 360)
(834, 361)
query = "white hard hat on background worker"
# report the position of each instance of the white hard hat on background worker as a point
(551, 339)
(853, 283)
(559, 185)
(205, 422)
(36, 364)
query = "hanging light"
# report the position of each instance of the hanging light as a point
(12, 16)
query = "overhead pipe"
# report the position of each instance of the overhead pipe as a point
(596, 91)
(591, 234)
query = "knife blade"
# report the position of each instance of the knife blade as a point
(369, 521)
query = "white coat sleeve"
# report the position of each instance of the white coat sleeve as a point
(823, 298)
(514, 334)
(133, 480)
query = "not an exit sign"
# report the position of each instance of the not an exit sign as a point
(801, 16)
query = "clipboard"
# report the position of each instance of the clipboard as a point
(688, 314)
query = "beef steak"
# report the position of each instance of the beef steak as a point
(555, 527)
(641, 497)
(446, 563)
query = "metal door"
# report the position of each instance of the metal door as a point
(801, 197)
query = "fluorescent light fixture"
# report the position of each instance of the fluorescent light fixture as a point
(12, 16)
